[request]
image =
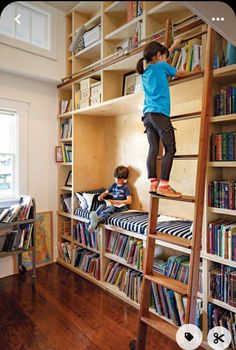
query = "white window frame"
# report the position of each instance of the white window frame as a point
(51, 52)
(21, 108)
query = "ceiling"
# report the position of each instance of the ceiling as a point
(65, 6)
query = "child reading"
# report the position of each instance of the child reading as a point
(120, 199)
(156, 112)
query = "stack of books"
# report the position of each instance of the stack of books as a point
(223, 146)
(222, 194)
(66, 128)
(125, 247)
(225, 101)
(221, 239)
(218, 316)
(65, 251)
(87, 261)
(17, 239)
(223, 284)
(82, 235)
(17, 212)
(92, 35)
(66, 149)
(187, 57)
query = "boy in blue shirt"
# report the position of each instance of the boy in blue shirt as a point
(156, 112)
(121, 199)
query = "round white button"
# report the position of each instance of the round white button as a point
(219, 338)
(189, 337)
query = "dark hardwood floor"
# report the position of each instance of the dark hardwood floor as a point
(66, 312)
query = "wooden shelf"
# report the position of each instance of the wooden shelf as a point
(225, 75)
(115, 291)
(219, 259)
(121, 261)
(66, 188)
(125, 31)
(65, 115)
(4, 225)
(228, 118)
(95, 20)
(66, 237)
(66, 164)
(66, 215)
(222, 304)
(167, 9)
(117, 6)
(86, 247)
(15, 252)
(224, 164)
(91, 52)
(222, 211)
(88, 8)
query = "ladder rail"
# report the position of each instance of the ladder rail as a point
(201, 178)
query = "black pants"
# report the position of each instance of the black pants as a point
(158, 126)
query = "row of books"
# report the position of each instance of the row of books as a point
(17, 212)
(221, 239)
(225, 53)
(125, 247)
(127, 280)
(176, 267)
(218, 316)
(66, 106)
(225, 101)
(66, 149)
(222, 194)
(17, 239)
(134, 9)
(187, 57)
(173, 305)
(223, 146)
(82, 235)
(87, 261)
(222, 281)
(66, 128)
(65, 251)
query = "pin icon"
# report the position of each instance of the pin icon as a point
(188, 336)
(17, 19)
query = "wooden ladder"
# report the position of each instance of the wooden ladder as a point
(146, 318)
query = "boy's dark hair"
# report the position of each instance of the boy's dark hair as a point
(121, 172)
(149, 52)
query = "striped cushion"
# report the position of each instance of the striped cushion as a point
(138, 221)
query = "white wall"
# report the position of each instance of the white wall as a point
(42, 138)
(26, 76)
(20, 61)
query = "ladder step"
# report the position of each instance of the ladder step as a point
(189, 199)
(168, 282)
(160, 325)
(183, 242)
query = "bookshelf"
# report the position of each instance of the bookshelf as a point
(102, 131)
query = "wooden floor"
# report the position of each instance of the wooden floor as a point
(66, 313)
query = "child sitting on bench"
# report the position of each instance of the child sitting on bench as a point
(120, 199)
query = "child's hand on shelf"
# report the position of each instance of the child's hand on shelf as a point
(177, 42)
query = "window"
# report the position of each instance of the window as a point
(34, 27)
(9, 156)
(14, 150)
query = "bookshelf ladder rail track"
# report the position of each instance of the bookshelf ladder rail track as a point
(145, 318)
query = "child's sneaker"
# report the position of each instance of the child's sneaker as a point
(94, 221)
(167, 191)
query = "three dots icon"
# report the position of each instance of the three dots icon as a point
(218, 19)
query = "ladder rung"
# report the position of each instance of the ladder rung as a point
(160, 325)
(168, 282)
(183, 242)
(190, 199)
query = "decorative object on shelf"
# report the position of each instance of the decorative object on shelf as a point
(58, 154)
(69, 179)
(132, 83)
(44, 241)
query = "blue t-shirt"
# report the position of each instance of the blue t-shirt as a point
(119, 192)
(156, 87)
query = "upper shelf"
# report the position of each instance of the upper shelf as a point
(117, 6)
(88, 7)
(225, 75)
(125, 31)
(91, 52)
(168, 9)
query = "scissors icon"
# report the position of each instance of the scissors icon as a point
(218, 338)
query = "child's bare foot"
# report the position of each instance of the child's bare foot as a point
(167, 191)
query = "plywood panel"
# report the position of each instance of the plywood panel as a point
(187, 136)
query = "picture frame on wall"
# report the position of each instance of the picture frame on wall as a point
(69, 179)
(58, 154)
(132, 83)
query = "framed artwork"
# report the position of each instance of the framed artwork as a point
(58, 154)
(69, 179)
(132, 83)
(44, 241)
